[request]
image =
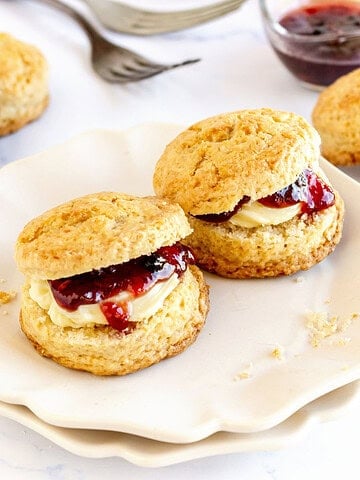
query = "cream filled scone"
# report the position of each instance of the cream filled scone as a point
(254, 193)
(109, 289)
(24, 92)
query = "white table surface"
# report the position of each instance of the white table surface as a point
(238, 70)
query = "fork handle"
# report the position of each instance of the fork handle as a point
(77, 16)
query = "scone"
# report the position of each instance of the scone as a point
(109, 289)
(254, 193)
(23, 83)
(336, 116)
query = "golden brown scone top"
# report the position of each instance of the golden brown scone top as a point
(210, 166)
(336, 116)
(21, 67)
(95, 231)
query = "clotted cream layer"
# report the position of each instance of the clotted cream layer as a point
(255, 215)
(140, 308)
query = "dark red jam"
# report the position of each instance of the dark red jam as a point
(309, 190)
(137, 277)
(223, 217)
(323, 61)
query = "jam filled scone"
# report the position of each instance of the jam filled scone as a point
(109, 289)
(254, 193)
(24, 92)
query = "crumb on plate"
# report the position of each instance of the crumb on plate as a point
(245, 373)
(6, 297)
(298, 279)
(343, 341)
(323, 324)
(278, 352)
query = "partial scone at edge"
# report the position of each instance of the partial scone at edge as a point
(268, 251)
(26, 115)
(24, 91)
(336, 116)
(104, 351)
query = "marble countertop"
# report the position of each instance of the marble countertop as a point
(238, 70)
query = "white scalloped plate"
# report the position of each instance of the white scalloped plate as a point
(151, 453)
(199, 392)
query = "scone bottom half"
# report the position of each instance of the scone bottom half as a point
(256, 198)
(124, 315)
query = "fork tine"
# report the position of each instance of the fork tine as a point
(147, 69)
(150, 65)
(123, 77)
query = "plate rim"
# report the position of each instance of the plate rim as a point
(131, 449)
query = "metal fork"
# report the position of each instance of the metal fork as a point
(128, 19)
(113, 62)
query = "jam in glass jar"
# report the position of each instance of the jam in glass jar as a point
(318, 41)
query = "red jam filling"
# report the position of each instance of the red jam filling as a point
(223, 217)
(309, 190)
(322, 62)
(137, 277)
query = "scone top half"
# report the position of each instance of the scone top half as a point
(96, 231)
(217, 162)
(104, 259)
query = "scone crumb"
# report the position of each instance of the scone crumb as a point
(327, 301)
(299, 279)
(242, 376)
(278, 352)
(5, 312)
(323, 324)
(2, 280)
(343, 341)
(320, 326)
(245, 373)
(6, 297)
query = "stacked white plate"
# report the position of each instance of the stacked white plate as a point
(110, 12)
(253, 380)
